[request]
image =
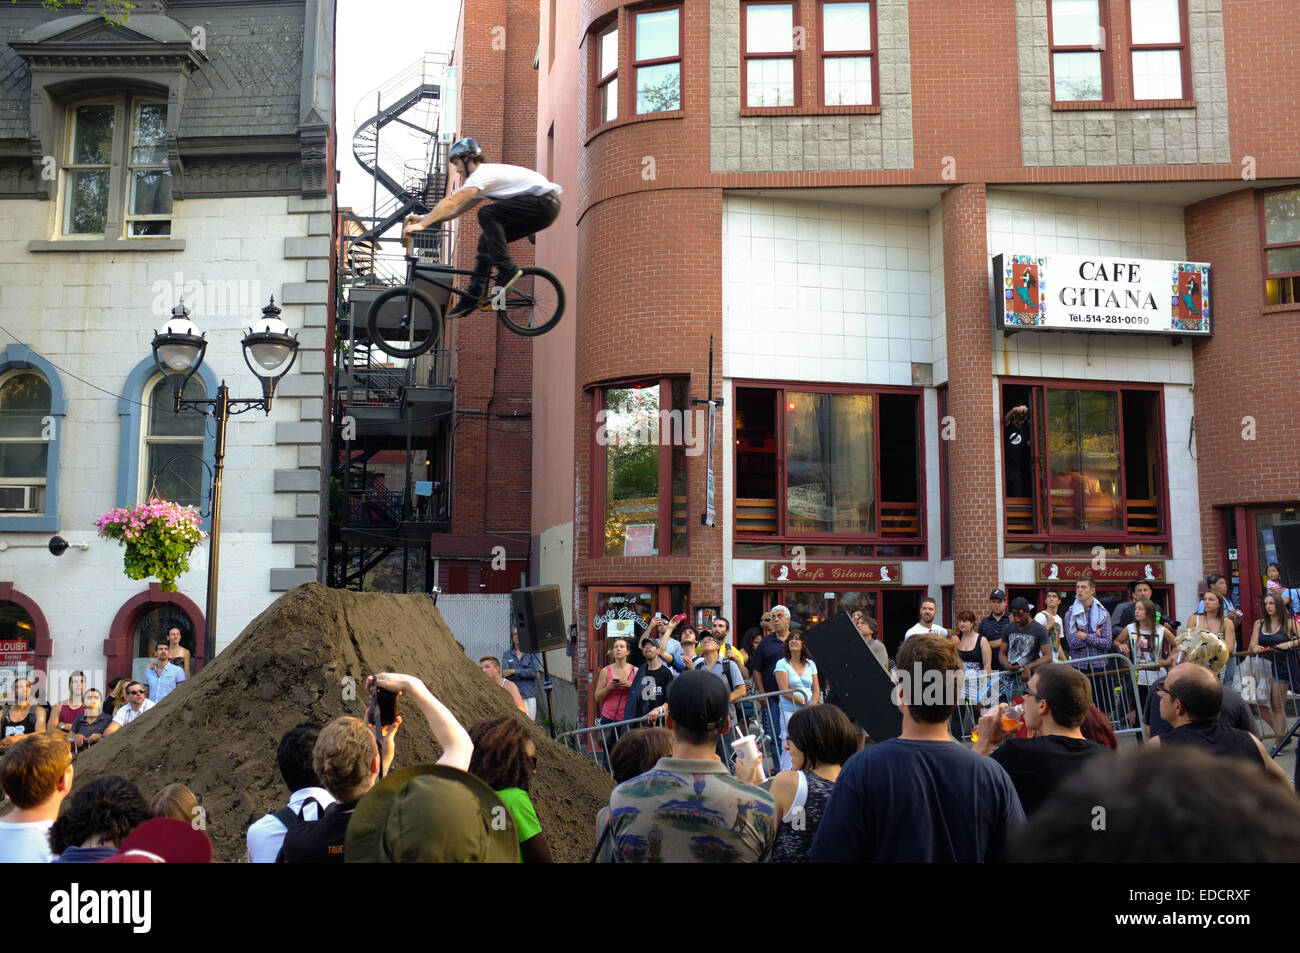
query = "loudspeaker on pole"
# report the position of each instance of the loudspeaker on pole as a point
(539, 617)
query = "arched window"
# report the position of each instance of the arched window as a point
(153, 626)
(25, 430)
(172, 447)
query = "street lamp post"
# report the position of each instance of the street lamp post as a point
(178, 350)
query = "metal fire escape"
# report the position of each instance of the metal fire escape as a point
(389, 487)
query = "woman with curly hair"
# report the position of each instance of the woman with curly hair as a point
(96, 819)
(505, 759)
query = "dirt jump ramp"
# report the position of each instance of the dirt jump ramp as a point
(305, 659)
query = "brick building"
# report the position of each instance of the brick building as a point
(823, 190)
(185, 154)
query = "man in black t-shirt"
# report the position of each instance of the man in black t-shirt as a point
(1056, 702)
(649, 695)
(1018, 452)
(996, 625)
(1026, 645)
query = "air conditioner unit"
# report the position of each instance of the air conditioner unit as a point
(17, 499)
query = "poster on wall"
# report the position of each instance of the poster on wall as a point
(639, 540)
(1095, 293)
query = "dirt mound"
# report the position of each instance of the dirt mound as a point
(218, 732)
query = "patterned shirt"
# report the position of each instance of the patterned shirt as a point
(1088, 632)
(690, 811)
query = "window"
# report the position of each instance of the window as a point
(1280, 228)
(770, 63)
(108, 168)
(848, 39)
(657, 60)
(1079, 61)
(173, 447)
(642, 429)
(25, 402)
(607, 74)
(945, 477)
(1158, 41)
(841, 462)
(1083, 460)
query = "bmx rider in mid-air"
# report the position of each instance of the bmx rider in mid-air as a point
(524, 202)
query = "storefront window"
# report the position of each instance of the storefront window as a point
(828, 451)
(17, 647)
(1083, 452)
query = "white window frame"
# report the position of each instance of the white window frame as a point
(38, 505)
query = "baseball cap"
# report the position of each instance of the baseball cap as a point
(997, 594)
(1020, 604)
(698, 701)
(163, 840)
(431, 813)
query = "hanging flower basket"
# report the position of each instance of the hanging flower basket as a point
(158, 535)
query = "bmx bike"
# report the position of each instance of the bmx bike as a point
(531, 306)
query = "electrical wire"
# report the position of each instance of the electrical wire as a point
(64, 370)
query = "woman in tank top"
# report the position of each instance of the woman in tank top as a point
(820, 739)
(24, 717)
(1215, 620)
(1276, 630)
(614, 683)
(977, 667)
(1153, 647)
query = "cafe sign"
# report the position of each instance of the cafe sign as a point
(1101, 293)
(824, 571)
(1114, 570)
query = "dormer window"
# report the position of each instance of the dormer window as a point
(116, 158)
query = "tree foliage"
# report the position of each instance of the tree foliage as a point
(114, 11)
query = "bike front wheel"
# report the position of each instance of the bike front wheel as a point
(404, 322)
(533, 304)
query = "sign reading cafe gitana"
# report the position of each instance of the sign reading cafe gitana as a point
(1101, 293)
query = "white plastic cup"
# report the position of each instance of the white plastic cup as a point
(746, 752)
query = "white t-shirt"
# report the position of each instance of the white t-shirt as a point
(25, 843)
(266, 834)
(932, 629)
(495, 180)
(126, 714)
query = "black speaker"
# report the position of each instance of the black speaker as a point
(539, 617)
(1286, 537)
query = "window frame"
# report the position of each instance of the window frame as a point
(795, 54)
(130, 167)
(822, 56)
(634, 64)
(1107, 71)
(117, 222)
(43, 480)
(599, 82)
(782, 536)
(945, 478)
(1264, 248)
(600, 466)
(1184, 53)
(1042, 465)
(144, 480)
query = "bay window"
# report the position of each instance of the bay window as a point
(607, 74)
(657, 60)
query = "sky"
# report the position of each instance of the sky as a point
(376, 40)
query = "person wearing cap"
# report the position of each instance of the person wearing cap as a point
(996, 624)
(649, 695)
(711, 660)
(1056, 703)
(920, 798)
(688, 808)
(927, 625)
(1026, 645)
(349, 762)
(1123, 615)
(1191, 700)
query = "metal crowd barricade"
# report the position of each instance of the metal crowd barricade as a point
(1114, 692)
(753, 718)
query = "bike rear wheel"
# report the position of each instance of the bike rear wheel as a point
(534, 303)
(404, 322)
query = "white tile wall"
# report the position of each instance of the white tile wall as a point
(938, 307)
(1031, 223)
(821, 292)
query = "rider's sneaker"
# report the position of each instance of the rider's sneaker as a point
(507, 279)
(468, 304)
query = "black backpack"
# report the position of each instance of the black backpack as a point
(290, 819)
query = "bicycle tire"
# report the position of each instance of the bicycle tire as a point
(418, 348)
(536, 288)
